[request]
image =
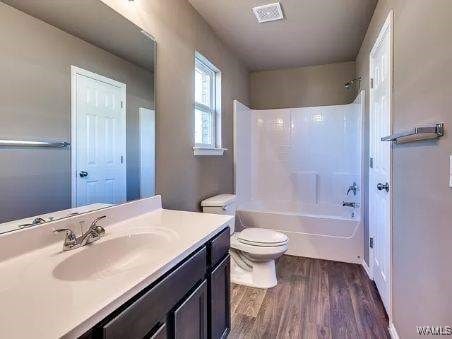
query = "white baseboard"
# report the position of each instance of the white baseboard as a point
(393, 332)
(366, 268)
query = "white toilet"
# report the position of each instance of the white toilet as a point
(253, 251)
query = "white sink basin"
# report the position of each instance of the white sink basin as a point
(118, 255)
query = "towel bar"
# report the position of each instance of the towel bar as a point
(417, 134)
(25, 143)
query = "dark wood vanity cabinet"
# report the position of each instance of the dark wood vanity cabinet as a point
(190, 301)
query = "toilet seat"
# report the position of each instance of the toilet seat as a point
(263, 251)
(261, 237)
(254, 264)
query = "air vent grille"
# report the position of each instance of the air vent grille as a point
(270, 12)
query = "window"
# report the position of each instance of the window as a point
(207, 108)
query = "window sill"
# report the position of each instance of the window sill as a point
(208, 151)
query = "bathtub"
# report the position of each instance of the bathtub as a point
(337, 235)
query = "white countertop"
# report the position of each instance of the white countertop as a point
(36, 304)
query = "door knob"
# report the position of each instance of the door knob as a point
(382, 187)
(83, 174)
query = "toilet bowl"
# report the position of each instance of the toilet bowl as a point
(253, 250)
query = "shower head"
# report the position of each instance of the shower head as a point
(351, 83)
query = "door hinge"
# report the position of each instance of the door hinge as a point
(371, 162)
(371, 83)
(371, 242)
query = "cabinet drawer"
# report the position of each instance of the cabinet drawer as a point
(141, 316)
(219, 247)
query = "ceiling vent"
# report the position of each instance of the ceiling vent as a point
(270, 12)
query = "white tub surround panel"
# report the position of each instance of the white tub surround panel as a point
(242, 156)
(293, 168)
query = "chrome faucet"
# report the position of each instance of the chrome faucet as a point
(94, 233)
(37, 221)
(353, 188)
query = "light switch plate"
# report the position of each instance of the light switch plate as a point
(450, 175)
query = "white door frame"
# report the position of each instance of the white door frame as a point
(80, 71)
(387, 28)
(141, 112)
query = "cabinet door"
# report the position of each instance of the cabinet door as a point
(220, 294)
(190, 318)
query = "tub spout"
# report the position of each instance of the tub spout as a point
(350, 204)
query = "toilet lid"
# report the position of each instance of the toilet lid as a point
(261, 236)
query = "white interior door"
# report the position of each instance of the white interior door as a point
(100, 139)
(380, 171)
(147, 152)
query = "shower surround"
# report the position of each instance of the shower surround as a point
(293, 168)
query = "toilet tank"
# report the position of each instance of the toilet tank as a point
(221, 204)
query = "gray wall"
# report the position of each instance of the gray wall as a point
(183, 179)
(36, 96)
(422, 213)
(302, 87)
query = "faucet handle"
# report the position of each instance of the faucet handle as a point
(38, 221)
(95, 221)
(70, 241)
(99, 230)
(70, 235)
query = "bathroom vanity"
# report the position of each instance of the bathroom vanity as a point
(190, 301)
(89, 148)
(155, 274)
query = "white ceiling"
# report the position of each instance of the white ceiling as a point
(314, 32)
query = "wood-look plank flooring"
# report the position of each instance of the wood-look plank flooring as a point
(313, 299)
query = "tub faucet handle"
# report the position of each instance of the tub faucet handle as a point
(353, 188)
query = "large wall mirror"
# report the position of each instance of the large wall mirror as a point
(77, 114)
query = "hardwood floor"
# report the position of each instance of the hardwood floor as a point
(313, 299)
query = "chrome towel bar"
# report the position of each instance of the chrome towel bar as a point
(27, 144)
(417, 134)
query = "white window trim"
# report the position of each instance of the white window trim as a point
(216, 147)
